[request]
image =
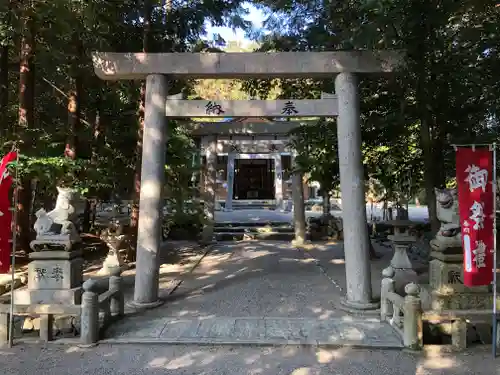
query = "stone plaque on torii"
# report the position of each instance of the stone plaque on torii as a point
(157, 68)
(327, 106)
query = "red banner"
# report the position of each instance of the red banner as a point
(5, 213)
(476, 205)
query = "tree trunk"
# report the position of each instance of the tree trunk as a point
(326, 201)
(74, 97)
(6, 128)
(4, 90)
(26, 117)
(429, 173)
(97, 136)
(89, 215)
(146, 36)
(423, 65)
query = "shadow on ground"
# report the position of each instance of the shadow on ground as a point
(292, 360)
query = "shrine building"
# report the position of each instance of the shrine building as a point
(254, 161)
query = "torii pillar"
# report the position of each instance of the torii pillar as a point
(352, 187)
(321, 65)
(154, 147)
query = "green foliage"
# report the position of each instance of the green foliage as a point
(317, 152)
(107, 137)
(447, 90)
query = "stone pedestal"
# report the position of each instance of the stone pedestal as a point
(446, 284)
(53, 277)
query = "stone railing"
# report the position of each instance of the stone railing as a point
(96, 312)
(403, 313)
(99, 310)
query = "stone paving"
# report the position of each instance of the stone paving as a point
(262, 331)
(142, 359)
(257, 292)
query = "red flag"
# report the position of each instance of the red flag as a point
(5, 214)
(476, 204)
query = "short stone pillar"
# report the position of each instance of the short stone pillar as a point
(352, 186)
(210, 187)
(89, 332)
(117, 303)
(412, 320)
(53, 277)
(151, 203)
(459, 334)
(387, 286)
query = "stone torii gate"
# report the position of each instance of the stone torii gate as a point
(157, 68)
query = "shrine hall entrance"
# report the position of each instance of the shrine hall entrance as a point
(254, 179)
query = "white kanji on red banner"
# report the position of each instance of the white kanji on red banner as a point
(477, 215)
(474, 167)
(477, 177)
(479, 254)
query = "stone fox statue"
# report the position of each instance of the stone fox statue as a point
(449, 234)
(59, 220)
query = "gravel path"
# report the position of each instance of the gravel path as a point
(184, 360)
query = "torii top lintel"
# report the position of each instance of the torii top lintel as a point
(117, 66)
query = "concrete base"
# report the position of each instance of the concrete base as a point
(145, 306)
(353, 307)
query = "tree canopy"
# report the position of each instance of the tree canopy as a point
(73, 128)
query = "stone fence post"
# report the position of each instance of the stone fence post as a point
(412, 323)
(388, 285)
(117, 304)
(89, 334)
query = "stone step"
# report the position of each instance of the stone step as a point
(266, 229)
(254, 208)
(253, 224)
(358, 332)
(269, 236)
(251, 206)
